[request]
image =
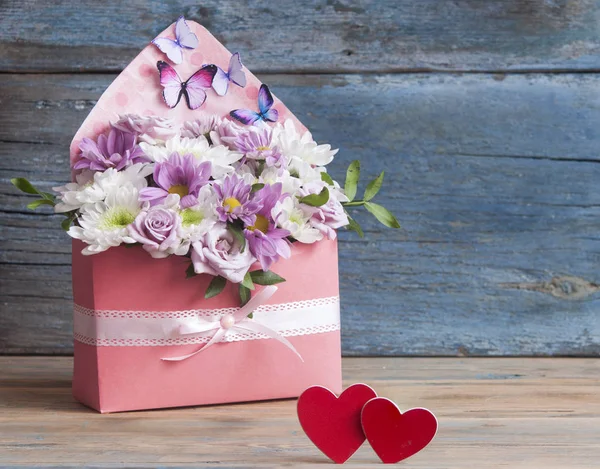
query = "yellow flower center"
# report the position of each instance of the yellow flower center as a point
(263, 148)
(230, 203)
(115, 218)
(296, 218)
(261, 224)
(179, 189)
(191, 217)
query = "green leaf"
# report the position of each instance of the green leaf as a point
(244, 295)
(215, 287)
(36, 203)
(48, 196)
(316, 200)
(66, 223)
(326, 178)
(256, 187)
(24, 186)
(352, 176)
(354, 226)
(190, 272)
(382, 214)
(238, 233)
(247, 282)
(374, 186)
(260, 277)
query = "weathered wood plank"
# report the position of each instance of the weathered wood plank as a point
(315, 36)
(493, 413)
(494, 179)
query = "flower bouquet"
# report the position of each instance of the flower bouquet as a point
(213, 179)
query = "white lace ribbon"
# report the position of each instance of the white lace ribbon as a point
(146, 328)
(232, 322)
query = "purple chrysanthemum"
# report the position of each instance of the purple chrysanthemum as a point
(117, 150)
(257, 144)
(267, 242)
(234, 200)
(181, 175)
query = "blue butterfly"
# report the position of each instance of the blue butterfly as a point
(265, 102)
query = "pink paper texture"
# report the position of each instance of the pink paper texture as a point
(137, 89)
(120, 378)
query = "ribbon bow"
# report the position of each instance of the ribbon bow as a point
(237, 321)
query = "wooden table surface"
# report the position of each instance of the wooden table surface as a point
(503, 412)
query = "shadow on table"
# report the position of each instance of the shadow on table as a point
(46, 394)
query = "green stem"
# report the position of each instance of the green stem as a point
(355, 203)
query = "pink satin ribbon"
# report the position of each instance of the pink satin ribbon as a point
(238, 321)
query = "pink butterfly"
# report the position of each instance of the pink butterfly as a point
(233, 74)
(193, 88)
(184, 39)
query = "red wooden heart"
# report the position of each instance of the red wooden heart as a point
(394, 435)
(333, 423)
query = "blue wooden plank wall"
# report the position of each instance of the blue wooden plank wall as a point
(484, 115)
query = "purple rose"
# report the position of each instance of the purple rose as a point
(218, 253)
(328, 217)
(225, 133)
(158, 230)
(149, 129)
(200, 127)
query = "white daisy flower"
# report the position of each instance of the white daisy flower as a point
(302, 148)
(272, 175)
(104, 224)
(291, 217)
(196, 221)
(92, 188)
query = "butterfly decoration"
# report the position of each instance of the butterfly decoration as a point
(193, 88)
(234, 74)
(184, 39)
(265, 102)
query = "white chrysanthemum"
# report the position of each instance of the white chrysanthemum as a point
(272, 175)
(220, 156)
(197, 220)
(104, 224)
(337, 193)
(75, 195)
(291, 217)
(301, 149)
(305, 171)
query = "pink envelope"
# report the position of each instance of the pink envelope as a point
(128, 306)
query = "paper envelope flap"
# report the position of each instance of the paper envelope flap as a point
(137, 89)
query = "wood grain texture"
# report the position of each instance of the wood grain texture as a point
(494, 177)
(311, 36)
(493, 413)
